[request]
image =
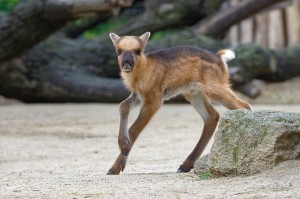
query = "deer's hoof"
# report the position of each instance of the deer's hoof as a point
(112, 172)
(183, 169)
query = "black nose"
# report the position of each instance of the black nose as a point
(127, 65)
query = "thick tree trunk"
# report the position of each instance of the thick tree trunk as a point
(58, 83)
(33, 21)
(64, 70)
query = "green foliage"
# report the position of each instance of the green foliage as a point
(103, 28)
(8, 5)
(204, 176)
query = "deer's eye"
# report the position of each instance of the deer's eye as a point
(138, 51)
(119, 51)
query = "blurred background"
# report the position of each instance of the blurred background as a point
(55, 55)
(59, 51)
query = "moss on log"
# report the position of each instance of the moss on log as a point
(65, 70)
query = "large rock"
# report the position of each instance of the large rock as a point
(249, 142)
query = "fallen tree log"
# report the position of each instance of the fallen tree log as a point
(33, 21)
(75, 29)
(167, 14)
(259, 62)
(65, 70)
(211, 21)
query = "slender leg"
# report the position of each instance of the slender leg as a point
(125, 107)
(123, 139)
(210, 117)
(227, 97)
(148, 109)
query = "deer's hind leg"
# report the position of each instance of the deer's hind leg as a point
(224, 95)
(210, 117)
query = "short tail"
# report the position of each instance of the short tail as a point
(226, 55)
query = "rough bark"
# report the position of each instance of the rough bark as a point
(64, 70)
(61, 70)
(33, 21)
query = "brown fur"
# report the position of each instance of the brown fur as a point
(200, 75)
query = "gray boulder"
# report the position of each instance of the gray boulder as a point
(201, 165)
(248, 142)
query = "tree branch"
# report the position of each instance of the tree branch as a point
(164, 14)
(224, 19)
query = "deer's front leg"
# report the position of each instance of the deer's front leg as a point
(148, 109)
(125, 107)
(123, 139)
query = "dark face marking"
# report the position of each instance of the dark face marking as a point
(137, 52)
(128, 62)
(119, 51)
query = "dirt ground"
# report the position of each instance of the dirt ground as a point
(286, 92)
(65, 150)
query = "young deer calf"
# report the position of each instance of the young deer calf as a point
(199, 75)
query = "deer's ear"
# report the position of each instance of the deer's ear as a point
(114, 38)
(144, 37)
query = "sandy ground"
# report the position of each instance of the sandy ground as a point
(65, 150)
(286, 92)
